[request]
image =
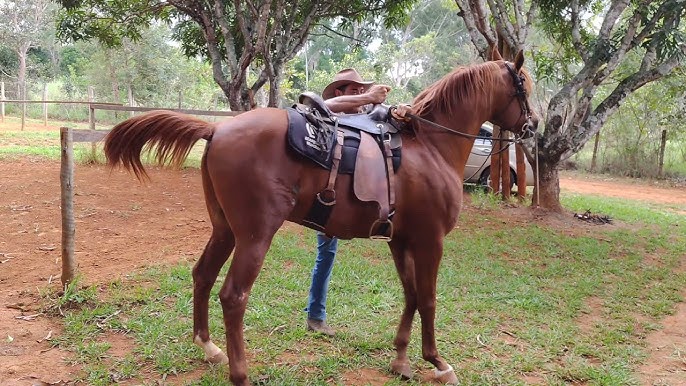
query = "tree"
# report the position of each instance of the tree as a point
(597, 40)
(237, 37)
(509, 35)
(22, 23)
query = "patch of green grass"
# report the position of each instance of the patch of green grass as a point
(625, 210)
(512, 301)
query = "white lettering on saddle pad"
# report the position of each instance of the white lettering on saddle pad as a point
(311, 139)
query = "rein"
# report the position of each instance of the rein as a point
(517, 139)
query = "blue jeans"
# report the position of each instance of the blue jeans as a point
(321, 274)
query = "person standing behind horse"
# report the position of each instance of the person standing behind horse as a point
(347, 94)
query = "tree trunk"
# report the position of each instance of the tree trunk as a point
(594, 159)
(239, 96)
(549, 186)
(21, 73)
(114, 80)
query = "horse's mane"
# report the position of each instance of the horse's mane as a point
(462, 85)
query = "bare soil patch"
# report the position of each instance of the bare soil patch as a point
(123, 226)
(656, 191)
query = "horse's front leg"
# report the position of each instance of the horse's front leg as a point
(427, 258)
(405, 268)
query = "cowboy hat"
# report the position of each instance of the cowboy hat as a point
(343, 78)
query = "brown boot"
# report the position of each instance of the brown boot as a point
(320, 326)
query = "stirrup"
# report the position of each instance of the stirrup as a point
(377, 224)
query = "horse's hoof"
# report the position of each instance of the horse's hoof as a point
(447, 376)
(402, 368)
(218, 358)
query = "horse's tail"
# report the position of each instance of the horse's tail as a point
(168, 135)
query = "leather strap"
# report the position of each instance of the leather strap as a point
(388, 154)
(336, 159)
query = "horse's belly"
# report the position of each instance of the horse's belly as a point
(349, 217)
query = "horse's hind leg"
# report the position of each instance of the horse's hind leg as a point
(405, 268)
(427, 259)
(245, 267)
(207, 269)
(205, 274)
(254, 227)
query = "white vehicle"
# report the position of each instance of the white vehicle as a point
(478, 167)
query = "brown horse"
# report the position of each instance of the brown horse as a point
(253, 183)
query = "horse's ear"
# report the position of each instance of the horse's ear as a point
(495, 54)
(519, 60)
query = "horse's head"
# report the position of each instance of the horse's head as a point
(514, 112)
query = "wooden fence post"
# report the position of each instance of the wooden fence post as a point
(45, 105)
(91, 117)
(2, 104)
(22, 92)
(91, 111)
(67, 202)
(661, 160)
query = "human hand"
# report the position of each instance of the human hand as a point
(400, 112)
(378, 93)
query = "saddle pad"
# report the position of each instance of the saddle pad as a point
(309, 141)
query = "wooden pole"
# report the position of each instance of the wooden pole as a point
(22, 92)
(495, 161)
(2, 104)
(505, 174)
(67, 202)
(91, 118)
(45, 105)
(661, 161)
(91, 111)
(521, 171)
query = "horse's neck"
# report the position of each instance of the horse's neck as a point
(452, 148)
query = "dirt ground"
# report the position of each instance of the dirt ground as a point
(165, 220)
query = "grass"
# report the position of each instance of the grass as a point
(506, 310)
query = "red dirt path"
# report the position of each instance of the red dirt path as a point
(123, 226)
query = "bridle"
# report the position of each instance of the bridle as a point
(521, 95)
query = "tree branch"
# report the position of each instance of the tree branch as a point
(229, 41)
(609, 105)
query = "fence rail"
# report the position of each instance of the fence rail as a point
(107, 106)
(92, 106)
(213, 113)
